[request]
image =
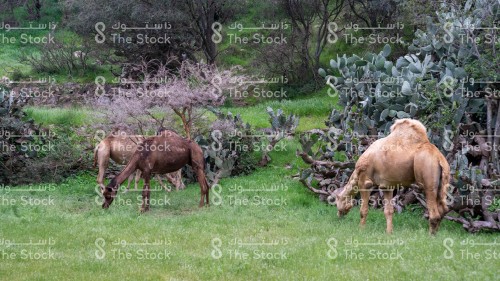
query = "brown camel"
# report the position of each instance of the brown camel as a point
(165, 153)
(402, 158)
(120, 147)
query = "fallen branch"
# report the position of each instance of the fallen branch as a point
(329, 164)
(317, 191)
(475, 226)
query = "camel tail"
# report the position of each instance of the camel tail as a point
(126, 172)
(444, 181)
(206, 187)
(95, 155)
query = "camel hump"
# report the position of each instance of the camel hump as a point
(409, 124)
(166, 132)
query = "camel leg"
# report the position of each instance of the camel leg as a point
(198, 165)
(442, 207)
(208, 192)
(365, 197)
(432, 207)
(428, 177)
(175, 178)
(103, 161)
(137, 178)
(388, 209)
(128, 183)
(200, 174)
(145, 193)
(164, 186)
(136, 181)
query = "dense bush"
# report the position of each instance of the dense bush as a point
(31, 153)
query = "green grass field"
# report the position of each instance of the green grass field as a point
(264, 226)
(261, 226)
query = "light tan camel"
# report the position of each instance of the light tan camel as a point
(120, 147)
(402, 158)
(165, 153)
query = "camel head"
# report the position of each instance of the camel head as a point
(343, 200)
(344, 197)
(109, 194)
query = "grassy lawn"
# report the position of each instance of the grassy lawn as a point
(313, 110)
(58, 116)
(264, 226)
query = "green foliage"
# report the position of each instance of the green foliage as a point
(17, 75)
(430, 83)
(32, 153)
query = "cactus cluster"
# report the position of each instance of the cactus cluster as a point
(281, 126)
(224, 147)
(282, 123)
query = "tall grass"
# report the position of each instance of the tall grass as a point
(59, 116)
